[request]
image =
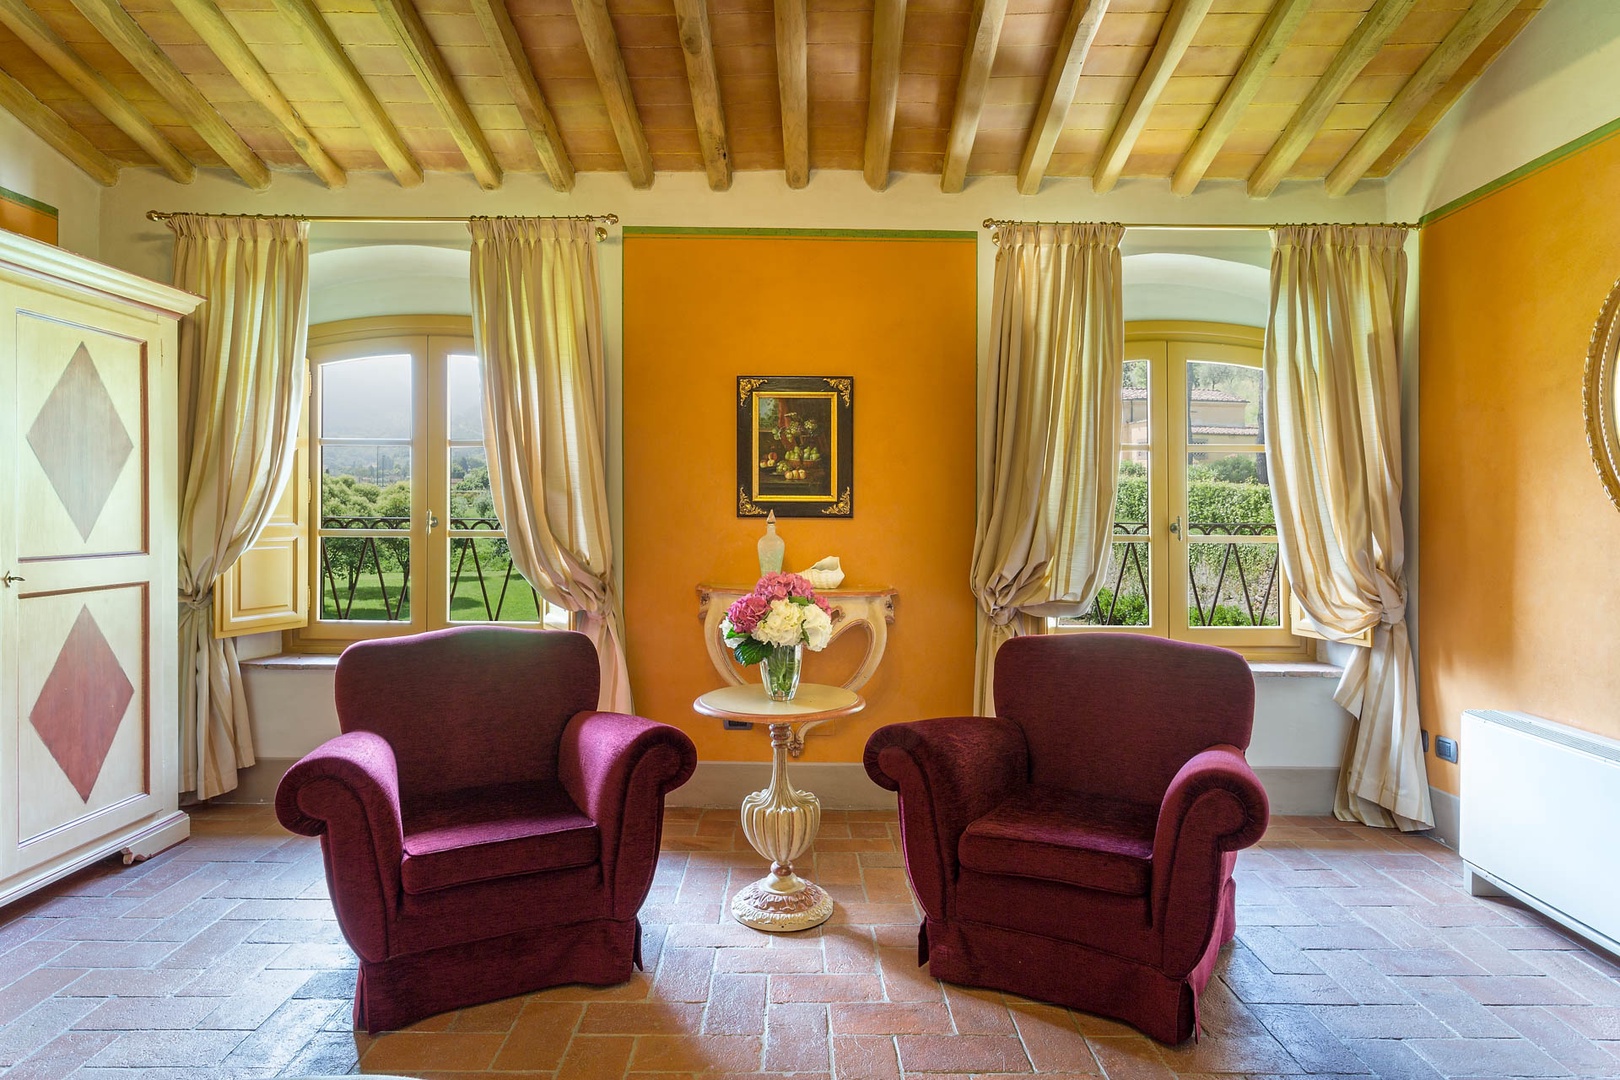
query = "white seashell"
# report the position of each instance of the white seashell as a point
(826, 574)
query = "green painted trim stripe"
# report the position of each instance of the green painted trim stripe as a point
(1551, 157)
(804, 234)
(24, 200)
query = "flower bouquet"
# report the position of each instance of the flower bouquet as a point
(772, 625)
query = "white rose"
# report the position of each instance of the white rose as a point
(817, 628)
(783, 626)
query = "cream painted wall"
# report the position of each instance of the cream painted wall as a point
(30, 167)
(1558, 80)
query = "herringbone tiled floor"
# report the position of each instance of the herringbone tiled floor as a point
(1358, 953)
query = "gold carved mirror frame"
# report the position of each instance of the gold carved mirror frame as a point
(1601, 396)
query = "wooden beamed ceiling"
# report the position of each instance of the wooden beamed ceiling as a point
(1263, 91)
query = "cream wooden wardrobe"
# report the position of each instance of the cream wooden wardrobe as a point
(89, 744)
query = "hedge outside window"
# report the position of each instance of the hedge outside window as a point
(1195, 553)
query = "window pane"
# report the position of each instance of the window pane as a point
(1131, 494)
(1123, 598)
(365, 578)
(1228, 495)
(1231, 584)
(366, 398)
(472, 506)
(466, 405)
(366, 486)
(484, 586)
(1223, 403)
(1135, 405)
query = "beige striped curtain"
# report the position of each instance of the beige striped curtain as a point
(1049, 456)
(241, 391)
(537, 322)
(1333, 423)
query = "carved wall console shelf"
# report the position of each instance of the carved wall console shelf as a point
(871, 608)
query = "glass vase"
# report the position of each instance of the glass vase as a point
(780, 672)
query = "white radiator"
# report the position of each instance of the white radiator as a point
(1541, 818)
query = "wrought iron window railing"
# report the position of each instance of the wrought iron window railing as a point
(366, 576)
(1123, 601)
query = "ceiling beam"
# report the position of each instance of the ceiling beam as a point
(1436, 71)
(1274, 36)
(888, 34)
(1175, 35)
(124, 34)
(334, 64)
(1440, 104)
(423, 54)
(984, 33)
(59, 55)
(1369, 37)
(602, 45)
(793, 85)
(205, 17)
(692, 20)
(38, 118)
(1061, 82)
(496, 20)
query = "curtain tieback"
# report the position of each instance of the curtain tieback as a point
(198, 601)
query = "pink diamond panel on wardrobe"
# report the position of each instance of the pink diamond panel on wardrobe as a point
(84, 699)
(83, 745)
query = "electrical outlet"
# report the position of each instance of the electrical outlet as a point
(1425, 742)
(738, 725)
(1445, 749)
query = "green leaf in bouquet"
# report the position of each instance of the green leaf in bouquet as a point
(750, 651)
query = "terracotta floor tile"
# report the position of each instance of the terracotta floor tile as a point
(736, 1004)
(403, 1051)
(962, 1053)
(796, 1038)
(697, 1053)
(597, 1057)
(885, 1018)
(1052, 1041)
(865, 1057)
(978, 1012)
(539, 1036)
(640, 1018)
(826, 988)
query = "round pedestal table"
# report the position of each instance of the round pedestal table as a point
(779, 821)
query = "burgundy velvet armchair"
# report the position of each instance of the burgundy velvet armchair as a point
(486, 831)
(1078, 846)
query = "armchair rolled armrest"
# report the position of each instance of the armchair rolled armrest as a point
(617, 769)
(1215, 806)
(346, 791)
(949, 772)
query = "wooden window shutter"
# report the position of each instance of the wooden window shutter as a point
(268, 588)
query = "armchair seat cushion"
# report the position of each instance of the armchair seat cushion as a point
(494, 832)
(1052, 834)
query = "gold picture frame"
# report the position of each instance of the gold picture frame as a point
(796, 445)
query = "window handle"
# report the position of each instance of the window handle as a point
(432, 522)
(1175, 527)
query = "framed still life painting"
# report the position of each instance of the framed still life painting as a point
(796, 445)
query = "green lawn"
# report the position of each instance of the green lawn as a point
(466, 605)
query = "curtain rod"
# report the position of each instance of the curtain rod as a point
(996, 223)
(384, 219)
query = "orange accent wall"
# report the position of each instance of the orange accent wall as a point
(898, 315)
(1519, 587)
